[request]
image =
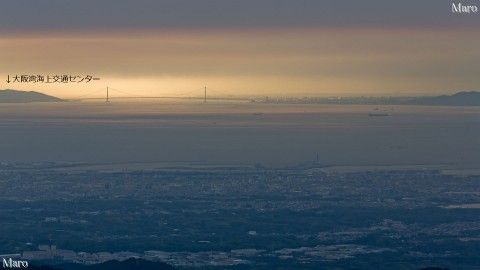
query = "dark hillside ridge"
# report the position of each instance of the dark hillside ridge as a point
(130, 264)
(471, 98)
(14, 96)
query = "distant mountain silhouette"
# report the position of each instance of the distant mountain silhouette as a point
(459, 99)
(14, 96)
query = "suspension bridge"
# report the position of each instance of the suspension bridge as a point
(204, 94)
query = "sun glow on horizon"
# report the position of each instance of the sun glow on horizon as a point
(289, 62)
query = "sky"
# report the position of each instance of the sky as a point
(241, 48)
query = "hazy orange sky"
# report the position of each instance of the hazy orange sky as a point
(265, 57)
